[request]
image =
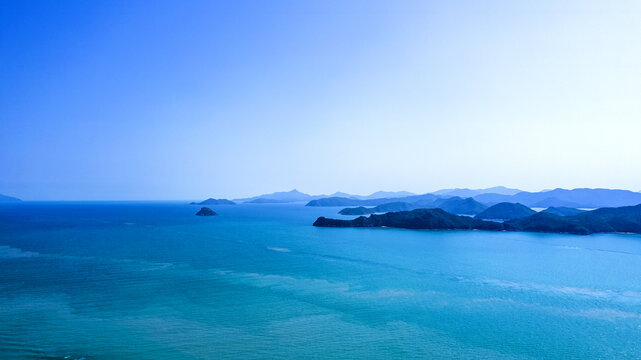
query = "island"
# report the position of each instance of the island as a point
(626, 219)
(205, 211)
(212, 201)
(432, 219)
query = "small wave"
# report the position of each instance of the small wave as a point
(626, 296)
(8, 252)
(154, 266)
(594, 249)
(608, 314)
(72, 357)
(567, 247)
(496, 300)
(279, 249)
(315, 286)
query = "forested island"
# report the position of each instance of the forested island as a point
(626, 219)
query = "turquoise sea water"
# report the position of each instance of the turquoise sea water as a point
(153, 281)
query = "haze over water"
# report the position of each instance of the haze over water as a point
(151, 280)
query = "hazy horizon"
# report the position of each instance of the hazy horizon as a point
(203, 197)
(189, 100)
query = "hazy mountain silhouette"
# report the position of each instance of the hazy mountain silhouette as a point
(297, 196)
(6, 198)
(279, 197)
(577, 198)
(342, 201)
(212, 201)
(465, 192)
(388, 195)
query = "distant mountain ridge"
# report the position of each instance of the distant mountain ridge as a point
(388, 195)
(466, 193)
(575, 198)
(297, 196)
(280, 197)
(6, 198)
(212, 201)
(342, 201)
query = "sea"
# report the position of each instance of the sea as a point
(150, 280)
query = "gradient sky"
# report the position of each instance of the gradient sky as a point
(186, 100)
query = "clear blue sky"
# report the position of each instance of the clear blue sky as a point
(186, 100)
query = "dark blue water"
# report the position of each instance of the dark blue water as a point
(153, 281)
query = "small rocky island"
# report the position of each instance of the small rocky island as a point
(205, 211)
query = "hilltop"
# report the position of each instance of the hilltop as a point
(505, 211)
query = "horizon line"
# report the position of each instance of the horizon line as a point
(286, 191)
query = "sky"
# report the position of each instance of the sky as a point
(163, 100)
